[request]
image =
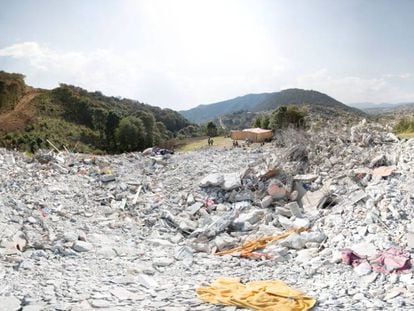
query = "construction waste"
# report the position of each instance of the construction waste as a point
(329, 213)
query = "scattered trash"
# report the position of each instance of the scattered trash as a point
(387, 261)
(44, 211)
(247, 249)
(255, 295)
(383, 171)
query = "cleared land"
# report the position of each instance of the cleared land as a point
(199, 143)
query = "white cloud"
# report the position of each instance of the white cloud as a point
(353, 89)
(152, 79)
(180, 85)
(97, 70)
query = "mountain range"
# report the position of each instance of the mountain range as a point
(372, 108)
(266, 102)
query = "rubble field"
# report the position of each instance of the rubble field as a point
(329, 213)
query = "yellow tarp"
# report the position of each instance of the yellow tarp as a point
(247, 249)
(256, 295)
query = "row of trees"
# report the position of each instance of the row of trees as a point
(121, 124)
(282, 117)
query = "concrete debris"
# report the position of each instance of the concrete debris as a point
(9, 303)
(142, 230)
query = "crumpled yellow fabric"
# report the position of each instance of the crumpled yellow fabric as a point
(247, 249)
(256, 295)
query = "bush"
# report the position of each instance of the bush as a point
(405, 125)
(284, 117)
(130, 134)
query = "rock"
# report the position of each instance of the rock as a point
(410, 240)
(394, 292)
(305, 178)
(297, 153)
(70, 236)
(100, 303)
(407, 278)
(365, 249)
(252, 217)
(311, 200)
(9, 303)
(81, 246)
(286, 223)
(184, 254)
(107, 178)
(266, 201)
(294, 241)
(121, 293)
(231, 181)
(283, 211)
(147, 281)
(106, 252)
(193, 209)
(190, 199)
(369, 278)
(276, 191)
(380, 160)
(294, 209)
(304, 256)
(81, 236)
(162, 262)
(363, 268)
(301, 223)
(32, 220)
(212, 180)
(33, 307)
(147, 151)
(314, 236)
(224, 241)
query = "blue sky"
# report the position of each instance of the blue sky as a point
(182, 53)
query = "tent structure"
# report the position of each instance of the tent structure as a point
(253, 134)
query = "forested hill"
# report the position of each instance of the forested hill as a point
(204, 113)
(79, 119)
(266, 102)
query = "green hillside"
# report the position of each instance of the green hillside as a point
(204, 113)
(266, 102)
(80, 120)
(12, 88)
(301, 97)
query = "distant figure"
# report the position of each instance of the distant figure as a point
(209, 141)
(212, 141)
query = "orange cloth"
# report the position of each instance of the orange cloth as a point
(256, 295)
(247, 249)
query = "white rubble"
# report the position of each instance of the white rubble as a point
(137, 232)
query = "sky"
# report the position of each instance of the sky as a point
(182, 53)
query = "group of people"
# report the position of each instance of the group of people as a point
(210, 141)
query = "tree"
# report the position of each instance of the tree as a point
(265, 122)
(112, 122)
(285, 116)
(211, 129)
(130, 134)
(149, 125)
(257, 122)
(99, 117)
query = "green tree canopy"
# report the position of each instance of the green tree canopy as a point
(284, 116)
(265, 122)
(257, 122)
(211, 129)
(130, 134)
